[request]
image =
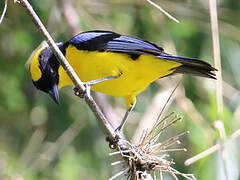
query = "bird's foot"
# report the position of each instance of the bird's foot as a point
(113, 143)
(78, 92)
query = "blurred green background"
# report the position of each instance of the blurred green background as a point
(40, 140)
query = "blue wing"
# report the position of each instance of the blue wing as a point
(113, 42)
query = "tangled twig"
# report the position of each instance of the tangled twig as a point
(149, 156)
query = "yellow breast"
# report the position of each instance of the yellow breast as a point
(136, 75)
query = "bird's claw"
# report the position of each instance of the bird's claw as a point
(113, 143)
(78, 92)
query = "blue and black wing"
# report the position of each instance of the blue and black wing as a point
(113, 42)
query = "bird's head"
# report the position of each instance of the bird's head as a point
(44, 72)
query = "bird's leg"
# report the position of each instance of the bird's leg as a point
(89, 84)
(124, 120)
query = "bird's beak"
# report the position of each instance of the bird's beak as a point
(54, 93)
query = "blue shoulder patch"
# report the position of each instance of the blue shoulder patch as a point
(86, 36)
(93, 40)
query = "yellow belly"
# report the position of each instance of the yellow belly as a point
(136, 75)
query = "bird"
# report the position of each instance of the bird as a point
(114, 64)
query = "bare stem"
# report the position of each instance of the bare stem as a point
(4, 11)
(217, 61)
(212, 149)
(216, 53)
(163, 11)
(161, 112)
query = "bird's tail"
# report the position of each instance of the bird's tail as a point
(191, 66)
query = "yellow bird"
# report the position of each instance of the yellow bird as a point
(114, 64)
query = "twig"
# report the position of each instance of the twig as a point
(163, 11)
(161, 112)
(220, 127)
(217, 61)
(148, 156)
(161, 99)
(69, 70)
(216, 53)
(151, 114)
(212, 149)
(4, 11)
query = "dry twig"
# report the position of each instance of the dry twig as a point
(163, 11)
(4, 11)
(149, 156)
(217, 61)
(161, 99)
(212, 149)
(216, 53)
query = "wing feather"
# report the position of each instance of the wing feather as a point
(113, 42)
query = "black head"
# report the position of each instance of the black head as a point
(44, 71)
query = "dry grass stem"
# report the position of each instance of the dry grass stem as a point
(220, 127)
(149, 117)
(217, 61)
(163, 11)
(4, 11)
(148, 121)
(148, 157)
(164, 107)
(216, 53)
(212, 149)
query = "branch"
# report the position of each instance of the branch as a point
(106, 126)
(217, 62)
(216, 54)
(163, 11)
(4, 11)
(212, 149)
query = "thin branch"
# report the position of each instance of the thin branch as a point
(217, 61)
(163, 11)
(161, 112)
(4, 11)
(212, 149)
(216, 53)
(220, 127)
(151, 114)
(69, 70)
